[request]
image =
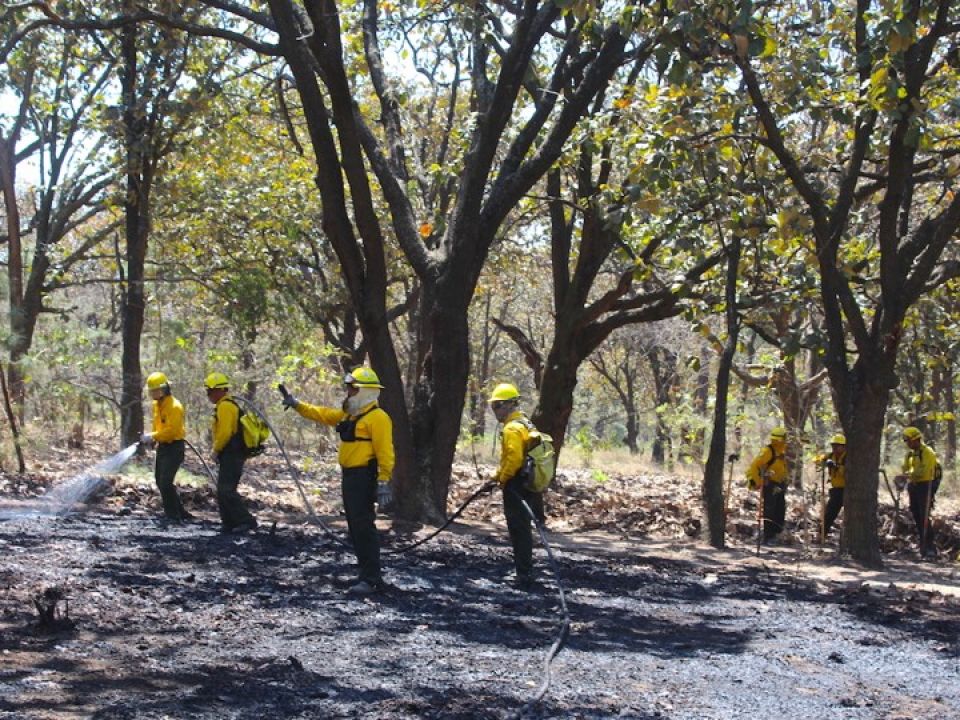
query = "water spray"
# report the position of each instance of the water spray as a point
(60, 499)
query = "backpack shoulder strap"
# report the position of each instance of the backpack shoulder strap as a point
(773, 457)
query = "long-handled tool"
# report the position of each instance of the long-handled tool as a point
(895, 497)
(763, 484)
(823, 502)
(926, 518)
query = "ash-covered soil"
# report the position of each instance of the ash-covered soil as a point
(178, 621)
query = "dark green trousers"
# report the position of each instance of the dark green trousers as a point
(169, 460)
(233, 511)
(359, 489)
(518, 522)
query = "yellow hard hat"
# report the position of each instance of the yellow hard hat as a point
(838, 440)
(217, 381)
(363, 377)
(778, 433)
(912, 433)
(504, 391)
(156, 380)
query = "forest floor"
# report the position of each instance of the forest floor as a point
(150, 620)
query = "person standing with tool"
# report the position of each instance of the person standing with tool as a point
(366, 462)
(510, 475)
(768, 473)
(168, 436)
(230, 453)
(835, 464)
(921, 474)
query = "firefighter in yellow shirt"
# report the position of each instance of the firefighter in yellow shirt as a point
(366, 462)
(230, 453)
(515, 442)
(168, 435)
(768, 473)
(921, 474)
(835, 463)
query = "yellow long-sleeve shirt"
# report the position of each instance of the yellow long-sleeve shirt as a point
(168, 420)
(515, 438)
(837, 473)
(226, 422)
(374, 436)
(770, 465)
(920, 465)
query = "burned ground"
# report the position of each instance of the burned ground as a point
(169, 621)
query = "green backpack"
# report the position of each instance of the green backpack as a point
(540, 464)
(255, 431)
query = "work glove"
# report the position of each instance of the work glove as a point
(288, 399)
(384, 495)
(146, 439)
(830, 464)
(900, 481)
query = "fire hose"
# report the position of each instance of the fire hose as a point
(564, 630)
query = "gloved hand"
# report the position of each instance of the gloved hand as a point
(384, 495)
(830, 464)
(146, 439)
(289, 401)
(900, 481)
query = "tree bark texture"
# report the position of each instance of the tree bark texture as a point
(715, 503)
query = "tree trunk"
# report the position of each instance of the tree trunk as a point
(438, 406)
(664, 373)
(863, 469)
(8, 184)
(136, 229)
(950, 398)
(713, 491)
(552, 413)
(633, 429)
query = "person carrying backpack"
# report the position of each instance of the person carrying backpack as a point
(835, 463)
(768, 473)
(921, 474)
(366, 462)
(168, 435)
(511, 474)
(230, 453)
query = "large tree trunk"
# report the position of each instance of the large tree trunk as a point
(8, 184)
(552, 413)
(438, 405)
(136, 230)
(864, 431)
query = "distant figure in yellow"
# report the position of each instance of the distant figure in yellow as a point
(768, 473)
(835, 463)
(921, 474)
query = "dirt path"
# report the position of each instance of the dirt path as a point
(178, 622)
